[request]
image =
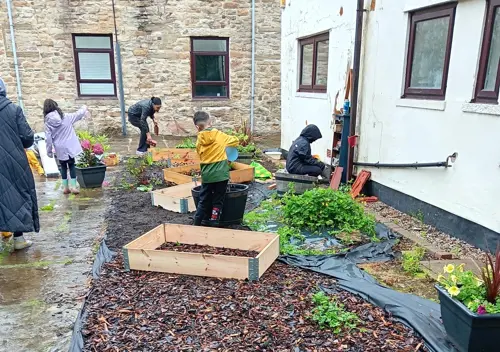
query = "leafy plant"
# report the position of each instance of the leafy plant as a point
(245, 138)
(92, 154)
(491, 277)
(320, 209)
(49, 207)
(187, 143)
(419, 215)
(329, 313)
(411, 260)
(101, 139)
(287, 234)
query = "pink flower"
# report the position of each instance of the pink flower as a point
(481, 310)
(86, 144)
(98, 149)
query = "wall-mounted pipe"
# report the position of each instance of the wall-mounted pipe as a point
(449, 160)
(120, 75)
(14, 54)
(252, 97)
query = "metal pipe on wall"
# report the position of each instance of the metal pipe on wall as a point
(355, 80)
(120, 75)
(252, 97)
(14, 54)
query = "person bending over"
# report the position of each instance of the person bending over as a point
(138, 115)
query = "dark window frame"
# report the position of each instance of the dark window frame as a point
(224, 83)
(314, 40)
(111, 53)
(448, 10)
(481, 95)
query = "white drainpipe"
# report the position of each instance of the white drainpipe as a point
(252, 98)
(14, 54)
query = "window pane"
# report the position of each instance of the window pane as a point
(94, 66)
(210, 91)
(210, 68)
(85, 42)
(494, 56)
(322, 63)
(97, 89)
(209, 45)
(429, 53)
(307, 64)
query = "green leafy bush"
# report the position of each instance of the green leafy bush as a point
(101, 139)
(320, 209)
(187, 143)
(329, 313)
(412, 259)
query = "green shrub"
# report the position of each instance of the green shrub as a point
(320, 209)
(411, 260)
(329, 313)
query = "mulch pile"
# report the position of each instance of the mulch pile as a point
(195, 248)
(144, 311)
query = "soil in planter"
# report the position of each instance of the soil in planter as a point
(195, 248)
(192, 173)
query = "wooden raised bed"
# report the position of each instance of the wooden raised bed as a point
(175, 155)
(177, 199)
(142, 254)
(241, 173)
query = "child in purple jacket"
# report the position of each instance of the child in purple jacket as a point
(60, 134)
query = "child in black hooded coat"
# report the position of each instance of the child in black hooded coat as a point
(300, 160)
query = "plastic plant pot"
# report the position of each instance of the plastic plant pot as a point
(234, 203)
(91, 177)
(469, 332)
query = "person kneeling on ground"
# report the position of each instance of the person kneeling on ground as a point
(299, 160)
(211, 147)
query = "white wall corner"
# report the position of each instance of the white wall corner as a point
(485, 109)
(439, 105)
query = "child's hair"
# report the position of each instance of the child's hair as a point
(50, 105)
(201, 118)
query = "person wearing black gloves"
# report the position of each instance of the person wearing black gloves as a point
(138, 115)
(300, 160)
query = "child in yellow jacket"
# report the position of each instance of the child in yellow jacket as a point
(211, 147)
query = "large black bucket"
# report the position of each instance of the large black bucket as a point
(234, 203)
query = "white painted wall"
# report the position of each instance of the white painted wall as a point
(303, 18)
(395, 130)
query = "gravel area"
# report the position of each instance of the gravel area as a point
(460, 249)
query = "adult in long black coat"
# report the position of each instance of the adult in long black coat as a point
(300, 160)
(18, 202)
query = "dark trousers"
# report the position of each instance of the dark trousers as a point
(210, 204)
(68, 165)
(18, 234)
(311, 170)
(136, 122)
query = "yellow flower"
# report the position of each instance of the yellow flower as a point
(454, 291)
(460, 268)
(441, 278)
(449, 268)
(453, 278)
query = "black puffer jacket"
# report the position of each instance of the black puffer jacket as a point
(18, 203)
(140, 112)
(299, 154)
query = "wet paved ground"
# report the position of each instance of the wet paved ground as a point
(42, 288)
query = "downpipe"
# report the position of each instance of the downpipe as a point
(120, 75)
(14, 54)
(252, 97)
(446, 164)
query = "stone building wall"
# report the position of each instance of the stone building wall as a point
(155, 45)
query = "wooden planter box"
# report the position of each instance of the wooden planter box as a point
(175, 155)
(177, 199)
(142, 254)
(241, 173)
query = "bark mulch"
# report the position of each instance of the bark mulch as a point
(144, 311)
(195, 248)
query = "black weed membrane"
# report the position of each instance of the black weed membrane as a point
(420, 314)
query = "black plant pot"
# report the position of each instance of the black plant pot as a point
(91, 177)
(234, 203)
(469, 332)
(245, 158)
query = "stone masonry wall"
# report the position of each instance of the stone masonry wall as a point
(155, 45)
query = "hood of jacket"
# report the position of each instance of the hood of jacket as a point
(311, 133)
(207, 136)
(53, 119)
(3, 89)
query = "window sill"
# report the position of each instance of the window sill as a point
(439, 105)
(95, 98)
(210, 99)
(310, 95)
(485, 109)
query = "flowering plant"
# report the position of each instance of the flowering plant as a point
(480, 295)
(92, 154)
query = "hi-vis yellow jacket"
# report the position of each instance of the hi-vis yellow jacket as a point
(211, 147)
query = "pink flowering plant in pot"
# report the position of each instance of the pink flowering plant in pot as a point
(470, 305)
(90, 171)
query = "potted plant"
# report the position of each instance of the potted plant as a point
(90, 171)
(470, 306)
(247, 148)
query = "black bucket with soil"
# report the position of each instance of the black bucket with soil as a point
(234, 203)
